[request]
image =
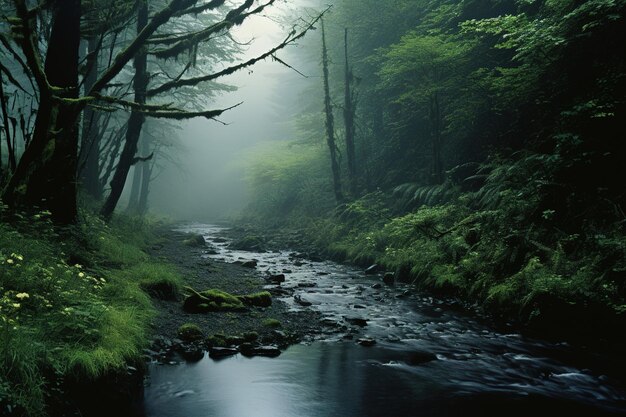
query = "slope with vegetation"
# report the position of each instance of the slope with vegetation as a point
(75, 310)
(489, 142)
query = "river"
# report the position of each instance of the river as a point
(429, 359)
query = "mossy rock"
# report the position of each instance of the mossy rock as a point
(258, 299)
(272, 323)
(216, 340)
(211, 300)
(190, 332)
(195, 240)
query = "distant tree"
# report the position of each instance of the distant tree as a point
(330, 123)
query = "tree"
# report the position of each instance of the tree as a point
(349, 111)
(330, 123)
(45, 176)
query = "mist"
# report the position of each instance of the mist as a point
(208, 183)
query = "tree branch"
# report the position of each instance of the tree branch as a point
(127, 54)
(291, 38)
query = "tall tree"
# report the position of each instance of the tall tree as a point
(330, 123)
(135, 122)
(46, 173)
(349, 110)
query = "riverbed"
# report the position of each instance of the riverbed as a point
(384, 350)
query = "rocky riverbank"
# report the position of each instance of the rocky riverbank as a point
(251, 330)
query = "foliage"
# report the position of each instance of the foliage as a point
(65, 306)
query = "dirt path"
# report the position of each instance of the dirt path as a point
(201, 274)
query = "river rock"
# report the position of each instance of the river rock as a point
(299, 300)
(248, 349)
(366, 341)
(358, 306)
(191, 353)
(357, 321)
(194, 240)
(276, 279)
(221, 352)
(377, 285)
(389, 278)
(249, 264)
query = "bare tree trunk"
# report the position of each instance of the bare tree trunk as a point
(90, 144)
(330, 123)
(135, 122)
(348, 117)
(46, 174)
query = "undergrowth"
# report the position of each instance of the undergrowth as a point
(73, 302)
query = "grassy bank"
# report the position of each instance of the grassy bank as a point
(74, 305)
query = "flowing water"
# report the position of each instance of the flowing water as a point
(429, 359)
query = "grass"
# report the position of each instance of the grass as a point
(73, 302)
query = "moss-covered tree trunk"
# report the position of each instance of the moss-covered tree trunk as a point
(135, 122)
(46, 174)
(330, 123)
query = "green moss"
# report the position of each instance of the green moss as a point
(271, 323)
(189, 332)
(259, 299)
(211, 300)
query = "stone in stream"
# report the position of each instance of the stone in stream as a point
(307, 284)
(191, 353)
(403, 294)
(377, 285)
(287, 271)
(366, 341)
(276, 279)
(221, 352)
(248, 349)
(299, 300)
(249, 264)
(322, 273)
(358, 306)
(298, 263)
(196, 241)
(357, 321)
(371, 270)
(389, 278)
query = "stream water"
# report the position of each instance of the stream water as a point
(429, 359)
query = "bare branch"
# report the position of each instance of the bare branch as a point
(291, 38)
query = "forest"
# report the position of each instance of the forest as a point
(399, 208)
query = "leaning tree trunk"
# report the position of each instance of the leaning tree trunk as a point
(135, 122)
(46, 174)
(330, 123)
(348, 117)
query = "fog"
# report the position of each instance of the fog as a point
(208, 184)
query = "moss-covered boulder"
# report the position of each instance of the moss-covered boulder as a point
(218, 300)
(258, 299)
(211, 300)
(189, 332)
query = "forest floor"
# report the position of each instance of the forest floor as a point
(201, 273)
